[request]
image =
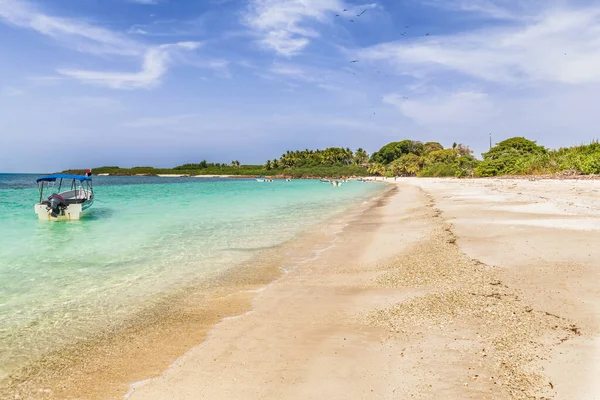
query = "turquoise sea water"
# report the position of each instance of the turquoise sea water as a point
(145, 236)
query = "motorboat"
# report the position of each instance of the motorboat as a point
(336, 183)
(263, 179)
(325, 181)
(64, 197)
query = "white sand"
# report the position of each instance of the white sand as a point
(305, 339)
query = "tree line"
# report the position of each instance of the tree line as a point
(332, 156)
(514, 156)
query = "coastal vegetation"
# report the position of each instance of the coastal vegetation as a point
(414, 158)
(514, 156)
(519, 156)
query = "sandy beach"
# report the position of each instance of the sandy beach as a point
(440, 288)
(444, 289)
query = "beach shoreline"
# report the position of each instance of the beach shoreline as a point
(103, 366)
(448, 288)
(419, 298)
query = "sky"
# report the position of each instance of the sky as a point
(89, 83)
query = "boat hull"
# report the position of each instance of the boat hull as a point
(72, 212)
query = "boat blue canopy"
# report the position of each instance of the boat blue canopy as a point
(54, 177)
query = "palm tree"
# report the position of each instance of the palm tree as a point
(361, 156)
(377, 169)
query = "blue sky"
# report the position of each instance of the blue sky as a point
(163, 82)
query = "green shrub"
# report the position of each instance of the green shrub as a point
(439, 170)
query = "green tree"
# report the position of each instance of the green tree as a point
(395, 150)
(361, 156)
(407, 165)
(312, 158)
(441, 156)
(509, 157)
(431, 146)
(377, 169)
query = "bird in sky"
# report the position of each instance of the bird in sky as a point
(403, 33)
(353, 61)
(363, 11)
(351, 20)
(427, 34)
(345, 9)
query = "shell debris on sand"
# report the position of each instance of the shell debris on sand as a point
(465, 294)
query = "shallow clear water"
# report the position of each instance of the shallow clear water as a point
(145, 236)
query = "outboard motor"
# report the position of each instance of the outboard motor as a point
(57, 205)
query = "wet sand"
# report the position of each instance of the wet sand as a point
(103, 366)
(448, 289)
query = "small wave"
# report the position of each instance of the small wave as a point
(134, 386)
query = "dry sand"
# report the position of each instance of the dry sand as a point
(454, 289)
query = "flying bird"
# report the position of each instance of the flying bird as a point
(337, 15)
(363, 11)
(427, 34)
(351, 20)
(353, 61)
(403, 34)
(345, 9)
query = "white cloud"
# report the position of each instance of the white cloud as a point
(154, 66)
(75, 34)
(494, 9)
(283, 24)
(561, 45)
(434, 111)
(293, 71)
(170, 28)
(12, 91)
(81, 36)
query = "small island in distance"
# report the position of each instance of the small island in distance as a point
(517, 156)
